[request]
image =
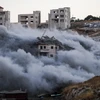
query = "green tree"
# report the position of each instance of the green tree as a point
(90, 17)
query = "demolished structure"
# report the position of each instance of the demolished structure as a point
(48, 46)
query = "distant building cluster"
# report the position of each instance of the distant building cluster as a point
(57, 18)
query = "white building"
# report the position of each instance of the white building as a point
(31, 20)
(48, 47)
(4, 17)
(49, 50)
(59, 18)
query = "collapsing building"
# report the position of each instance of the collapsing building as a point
(49, 46)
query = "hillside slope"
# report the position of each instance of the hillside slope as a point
(88, 90)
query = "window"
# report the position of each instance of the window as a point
(43, 54)
(56, 16)
(24, 17)
(51, 47)
(55, 11)
(1, 18)
(61, 20)
(41, 47)
(31, 21)
(61, 15)
(62, 11)
(56, 20)
(2, 13)
(44, 47)
(56, 48)
(51, 55)
(31, 16)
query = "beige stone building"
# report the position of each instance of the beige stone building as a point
(4, 17)
(30, 20)
(59, 18)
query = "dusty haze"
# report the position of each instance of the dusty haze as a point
(22, 70)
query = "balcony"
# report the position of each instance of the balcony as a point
(44, 50)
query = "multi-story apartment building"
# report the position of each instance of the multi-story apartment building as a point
(31, 20)
(59, 18)
(4, 17)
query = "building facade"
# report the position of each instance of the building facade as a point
(48, 46)
(30, 20)
(59, 18)
(49, 50)
(4, 17)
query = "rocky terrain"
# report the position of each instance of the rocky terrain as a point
(88, 90)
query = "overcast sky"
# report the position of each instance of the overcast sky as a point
(79, 8)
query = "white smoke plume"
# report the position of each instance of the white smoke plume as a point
(19, 68)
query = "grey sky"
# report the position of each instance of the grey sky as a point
(79, 8)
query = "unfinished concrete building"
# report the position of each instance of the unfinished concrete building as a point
(4, 17)
(30, 20)
(59, 18)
